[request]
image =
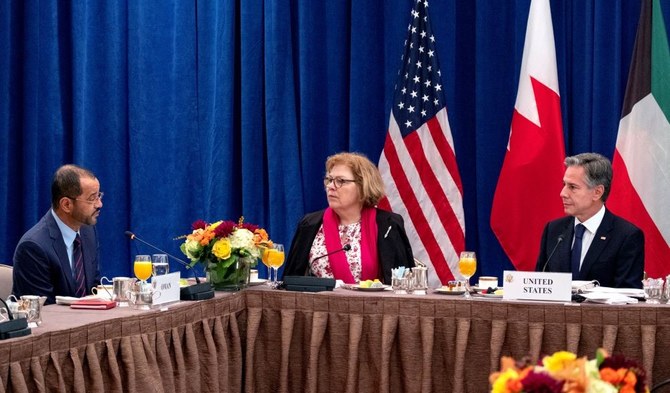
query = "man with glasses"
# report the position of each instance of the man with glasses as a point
(59, 255)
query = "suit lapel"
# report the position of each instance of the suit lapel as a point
(89, 252)
(564, 250)
(600, 240)
(61, 251)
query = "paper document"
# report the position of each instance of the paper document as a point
(608, 298)
(581, 285)
(633, 292)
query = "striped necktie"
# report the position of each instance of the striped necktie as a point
(79, 274)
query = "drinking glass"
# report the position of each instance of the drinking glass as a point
(159, 264)
(265, 253)
(142, 267)
(467, 265)
(275, 259)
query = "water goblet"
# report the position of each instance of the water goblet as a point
(159, 265)
(467, 265)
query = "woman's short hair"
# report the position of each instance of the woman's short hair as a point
(598, 170)
(367, 177)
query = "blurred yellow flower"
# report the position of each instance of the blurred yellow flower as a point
(222, 249)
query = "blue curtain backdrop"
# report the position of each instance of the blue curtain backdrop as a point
(217, 109)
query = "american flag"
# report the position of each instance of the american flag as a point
(418, 163)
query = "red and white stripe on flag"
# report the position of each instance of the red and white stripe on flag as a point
(527, 194)
(418, 163)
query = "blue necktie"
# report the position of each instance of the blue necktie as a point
(577, 250)
(78, 265)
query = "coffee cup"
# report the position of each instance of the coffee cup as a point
(33, 306)
(486, 282)
(103, 291)
(120, 288)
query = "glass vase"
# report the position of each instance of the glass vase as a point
(230, 275)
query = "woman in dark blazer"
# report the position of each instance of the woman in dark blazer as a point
(351, 240)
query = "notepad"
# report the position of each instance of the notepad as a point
(94, 304)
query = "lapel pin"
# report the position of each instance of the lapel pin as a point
(603, 238)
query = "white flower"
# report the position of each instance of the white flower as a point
(192, 249)
(242, 238)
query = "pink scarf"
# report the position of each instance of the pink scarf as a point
(338, 261)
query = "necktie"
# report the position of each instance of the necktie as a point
(79, 275)
(577, 250)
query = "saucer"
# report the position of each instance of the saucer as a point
(446, 291)
(370, 289)
(259, 281)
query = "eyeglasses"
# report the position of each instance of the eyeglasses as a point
(92, 199)
(337, 181)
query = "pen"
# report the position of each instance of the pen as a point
(387, 232)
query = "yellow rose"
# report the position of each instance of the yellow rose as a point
(504, 380)
(221, 249)
(559, 361)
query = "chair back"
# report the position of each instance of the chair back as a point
(6, 281)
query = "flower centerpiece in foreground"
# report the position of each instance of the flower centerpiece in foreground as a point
(226, 249)
(565, 372)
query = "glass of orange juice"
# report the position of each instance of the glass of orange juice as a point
(265, 253)
(142, 267)
(275, 260)
(467, 265)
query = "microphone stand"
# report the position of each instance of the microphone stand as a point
(307, 283)
(197, 291)
(551, 254)
(13, 327)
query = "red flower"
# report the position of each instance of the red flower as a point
(199, 224)
(541, 383)
(251, 227)
(224, 229)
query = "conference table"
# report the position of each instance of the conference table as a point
(265, 340)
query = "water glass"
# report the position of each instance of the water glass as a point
(653, 290)
(402, 285)
(159, 265)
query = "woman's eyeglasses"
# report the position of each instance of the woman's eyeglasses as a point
(337, 181)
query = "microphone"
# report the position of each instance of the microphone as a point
(551, 254)
(346, 247)
(198, 291)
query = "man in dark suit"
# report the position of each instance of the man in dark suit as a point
(591, 242)
(59, 255)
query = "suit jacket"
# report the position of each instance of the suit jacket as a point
(393, 248)
(615, 257)
(41, 264)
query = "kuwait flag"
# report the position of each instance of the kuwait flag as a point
(641, 164)
(527, 194)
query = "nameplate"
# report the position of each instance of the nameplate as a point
(168, 287)
(519, 285)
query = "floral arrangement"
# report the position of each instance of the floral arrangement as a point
(565, 372)
(225, 248)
